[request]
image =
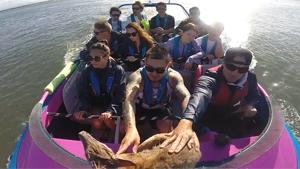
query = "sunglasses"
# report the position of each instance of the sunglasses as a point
(232, 67)
(159, 70)
(131, 34)
(161, 8)
(115, 15)
(96, 58)
(136, 8)
(98, 32)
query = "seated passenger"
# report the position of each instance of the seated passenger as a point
(101, 88)
(183, 46)
(223, 100)
(195, 19)
(103, 31)
(138, 17)
(137, 45)
(212, 47)
(148, 94)
(162, 25)
(114, 19)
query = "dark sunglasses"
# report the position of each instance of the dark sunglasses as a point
(136, 8)
(159, 70)
(115, 15)
(98, 32)
(96, 58)
(232, 67)
(161, 8)
(131, 34)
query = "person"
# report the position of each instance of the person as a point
(183, 46)
(114, 19)
(101, 90)
(162, 25)
(139, 41)
(153, 86)
(195, 19)
(211, 45)
(138, 17)
(103, 31)
(223, 100)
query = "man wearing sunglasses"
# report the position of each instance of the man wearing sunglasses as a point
(114, 19)
(224, 101)
(103, 31)
(101, 90)
(147, 101)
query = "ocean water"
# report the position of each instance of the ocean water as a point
(37, 38)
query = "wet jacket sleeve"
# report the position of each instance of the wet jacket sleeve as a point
(118, 92)
(83, 91)
(200, 98)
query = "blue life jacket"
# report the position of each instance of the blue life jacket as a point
(204, 45)
(119, 29)
(158, 21)
(96, 83)
(176, 51)
(133, 52)
(132, 18)
(148, 89)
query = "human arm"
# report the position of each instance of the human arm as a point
(183, 133)
(132, 136)
(219, 51)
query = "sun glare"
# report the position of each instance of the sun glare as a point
(234, 14)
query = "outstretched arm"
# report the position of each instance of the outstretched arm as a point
(132, 137)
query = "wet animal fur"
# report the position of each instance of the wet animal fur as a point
(149, 155)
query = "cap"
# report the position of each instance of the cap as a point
(233, 52)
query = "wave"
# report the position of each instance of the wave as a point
(8, 4)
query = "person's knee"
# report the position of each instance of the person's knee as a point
(97, 124)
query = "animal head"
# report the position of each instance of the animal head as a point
(149, 155)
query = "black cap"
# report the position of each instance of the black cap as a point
(233, 52)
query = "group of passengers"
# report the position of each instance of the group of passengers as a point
(223, 97)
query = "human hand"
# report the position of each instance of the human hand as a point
(159, 30)
(80, 115)
(131, 58)
(247, 111)
(132, 137)
(183, 134)
(105, 115)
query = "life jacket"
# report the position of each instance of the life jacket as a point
(158, 21)
(133, 52)
(204, 46)
(224, 96)
(95, 82)
(148, 90)
(176, 55)
(143, 22)
(119, 29)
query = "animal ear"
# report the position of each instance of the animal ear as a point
(127, 160)
(152, 142)
(96, 152)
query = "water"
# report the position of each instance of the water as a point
(37, 40)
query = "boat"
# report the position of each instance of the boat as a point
(50, 138)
